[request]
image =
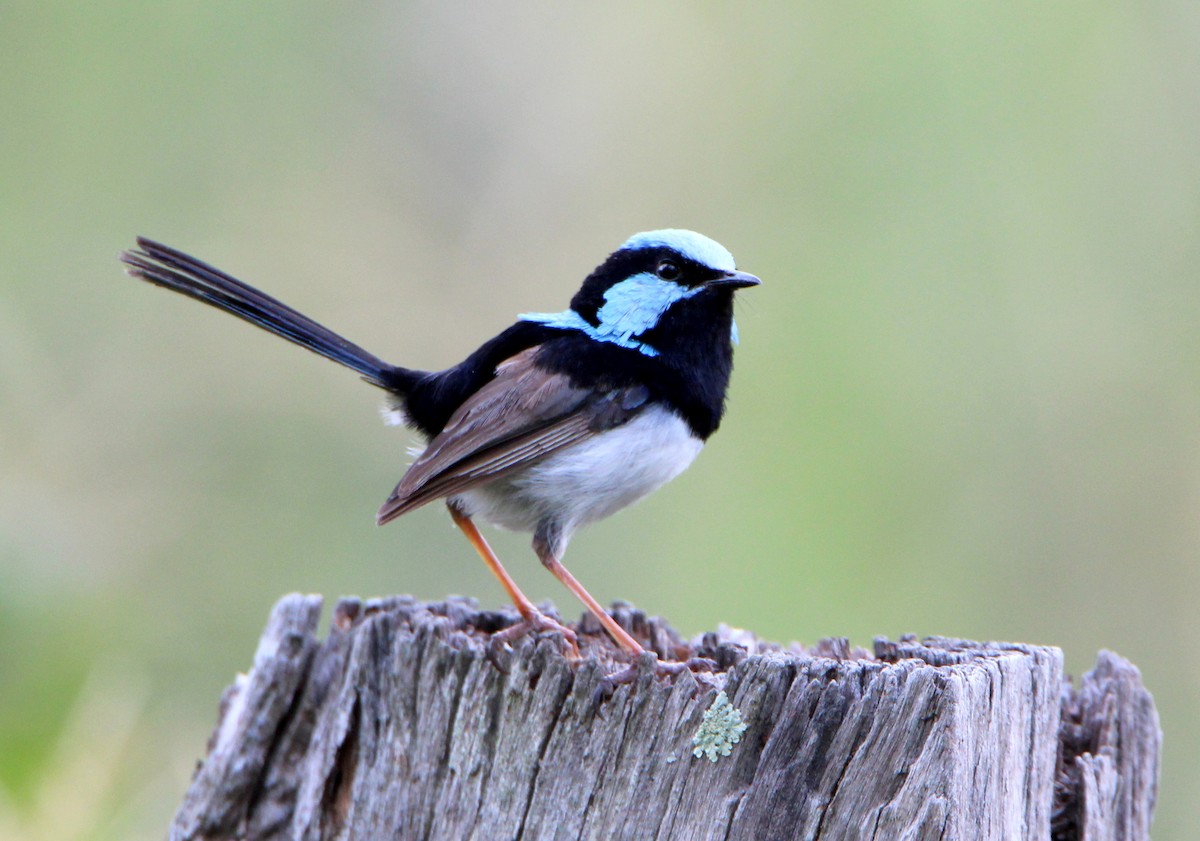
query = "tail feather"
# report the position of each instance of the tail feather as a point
(171, 269)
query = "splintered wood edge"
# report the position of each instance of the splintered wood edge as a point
(268, 716)
(1110, 749)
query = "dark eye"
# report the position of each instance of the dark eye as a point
(669, 270)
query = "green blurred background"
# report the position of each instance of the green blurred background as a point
(966, 400)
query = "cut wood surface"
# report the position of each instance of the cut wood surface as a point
(400, 726)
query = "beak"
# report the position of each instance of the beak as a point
(736, 280)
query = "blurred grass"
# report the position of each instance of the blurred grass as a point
(966, 400)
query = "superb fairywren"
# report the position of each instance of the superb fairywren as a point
(562, 419)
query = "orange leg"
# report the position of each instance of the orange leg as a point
(532, 619)
(623, 638)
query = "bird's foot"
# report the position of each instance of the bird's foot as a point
(536, 622)
(700, 667)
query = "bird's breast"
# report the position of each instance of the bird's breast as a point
(593, 479)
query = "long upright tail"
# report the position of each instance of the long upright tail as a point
(166, 267)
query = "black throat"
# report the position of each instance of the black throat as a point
(689, 374)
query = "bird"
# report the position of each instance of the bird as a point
(560, 420)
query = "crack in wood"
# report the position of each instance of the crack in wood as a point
(337, 797)
(262, 784)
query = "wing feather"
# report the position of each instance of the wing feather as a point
(521, 416)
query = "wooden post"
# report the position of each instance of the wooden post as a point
(399, 726)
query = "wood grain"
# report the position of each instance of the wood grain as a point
(399, 726)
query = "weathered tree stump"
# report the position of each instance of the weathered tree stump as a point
(399, 726)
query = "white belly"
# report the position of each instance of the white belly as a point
(591, 480)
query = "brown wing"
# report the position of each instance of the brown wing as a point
(522, 415)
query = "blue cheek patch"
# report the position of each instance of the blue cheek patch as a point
(635, 305)
(631, 307)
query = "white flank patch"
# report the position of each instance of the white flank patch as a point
(393, 415)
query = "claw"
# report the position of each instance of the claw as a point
(499, 654)
(499, 651)
(698, 666)
(694, 665)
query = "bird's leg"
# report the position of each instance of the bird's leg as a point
(532, 619)
(545, 553)
(699, 666)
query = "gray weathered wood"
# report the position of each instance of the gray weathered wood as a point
(1106, 790)
(399, 726)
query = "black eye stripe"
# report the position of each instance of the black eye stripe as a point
(668, 270)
